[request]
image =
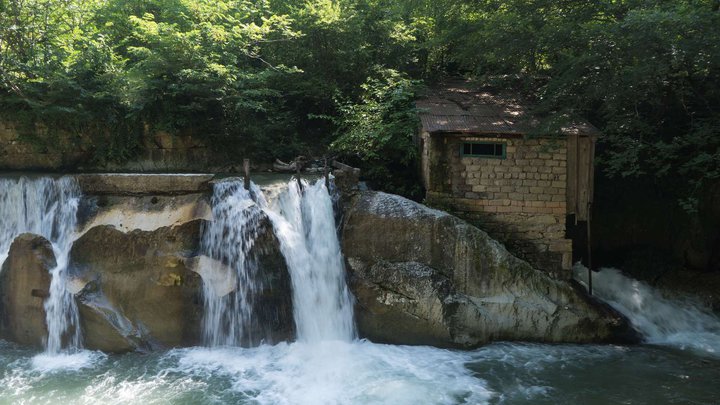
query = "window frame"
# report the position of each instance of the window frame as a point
(503, 144)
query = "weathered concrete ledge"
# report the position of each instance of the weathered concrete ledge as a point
(143, 184)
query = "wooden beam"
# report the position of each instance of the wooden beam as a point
(246, 170)
(572, 174)
(584, 177)
(326, 173)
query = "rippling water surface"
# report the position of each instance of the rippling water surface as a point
(365, 373)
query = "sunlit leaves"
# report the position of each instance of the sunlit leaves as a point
(250, 75)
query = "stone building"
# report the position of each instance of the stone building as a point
(482, 158)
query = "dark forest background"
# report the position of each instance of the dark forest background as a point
(276, 79)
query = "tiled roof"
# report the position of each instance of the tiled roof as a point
(456, 108)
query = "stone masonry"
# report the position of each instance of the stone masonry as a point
(519, 200)
(61, 150)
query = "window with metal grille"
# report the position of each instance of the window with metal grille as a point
(484, 149)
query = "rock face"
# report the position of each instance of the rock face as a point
(273, 304)
(137, 277)
(147, 213)
(135, 290)
(422, 276)
(134, 269)
(141, 290)
(24, 283)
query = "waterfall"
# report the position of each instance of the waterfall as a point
(305, 225)
(303, 220)
(230, 273)
(46, 207)
(663, 321)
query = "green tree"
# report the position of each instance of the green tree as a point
(378, 133)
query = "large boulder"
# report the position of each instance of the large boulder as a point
(422, 276)
(135, 236)
(24, 283)
(134, 289)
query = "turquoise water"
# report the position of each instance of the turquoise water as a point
(362, 372)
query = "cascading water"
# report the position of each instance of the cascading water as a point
(230, 272)
(303, 220)
(661, 320)
(46, 207)
(305, 225)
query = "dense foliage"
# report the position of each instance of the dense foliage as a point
(377, 133)
(261, 78)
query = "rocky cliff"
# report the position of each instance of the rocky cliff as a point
(422, 276)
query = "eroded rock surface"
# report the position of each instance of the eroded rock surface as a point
(24, 284)
(146, 213)
(142, 290)
(136, 268)
(136, 290)
(422, 276)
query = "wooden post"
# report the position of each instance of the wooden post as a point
(589, 248)
(326, 171)
(297, 174)
(577, 177)
(246, 169)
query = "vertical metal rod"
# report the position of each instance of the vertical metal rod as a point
(589, 248)
(246, 169)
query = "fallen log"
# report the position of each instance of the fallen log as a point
(281, 166)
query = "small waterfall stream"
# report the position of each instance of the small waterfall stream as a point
(230, 279)
(303, 220)
(305, 225)
(660, 320)
(46, 207)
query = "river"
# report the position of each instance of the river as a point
(361, 372)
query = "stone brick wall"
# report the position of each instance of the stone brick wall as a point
(18, 155)
(519, 200)
(160, 151)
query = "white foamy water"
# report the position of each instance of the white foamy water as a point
(339, 372)
(682, 324)
(361, 372)
(336, 372)
(46, 207)
(56, 362)
(304, 223)
(230, 279)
